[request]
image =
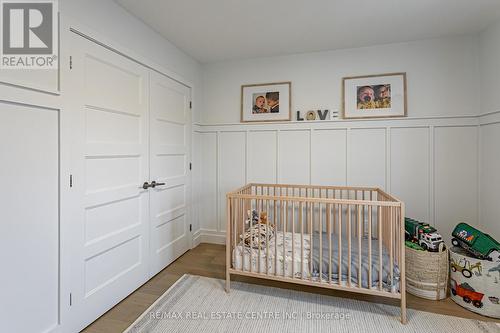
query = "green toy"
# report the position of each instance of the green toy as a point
(476, 242)
(423, 234)
(414, 246)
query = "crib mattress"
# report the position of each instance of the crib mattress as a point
(287, 265)
(302, 268)
(390, 281)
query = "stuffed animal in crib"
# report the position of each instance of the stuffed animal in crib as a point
(259, 231)
(258, 234)
(263, 217)
(253, 216)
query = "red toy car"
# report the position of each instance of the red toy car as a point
(468, 293)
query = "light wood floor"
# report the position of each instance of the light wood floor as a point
(209, 260)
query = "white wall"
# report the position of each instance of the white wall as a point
(442, 77)
(489, 50)
(429, 159)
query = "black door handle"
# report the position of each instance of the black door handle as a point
(146, 185)
(154, 184)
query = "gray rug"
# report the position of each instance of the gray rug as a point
(200, 304)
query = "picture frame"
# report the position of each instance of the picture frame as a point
(266, 102)
(374, 96)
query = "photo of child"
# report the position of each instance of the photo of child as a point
(374, 97)
(266, 102)
(259, 105)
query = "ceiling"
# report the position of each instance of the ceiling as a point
(217, 30)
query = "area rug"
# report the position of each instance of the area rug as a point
(199, 304)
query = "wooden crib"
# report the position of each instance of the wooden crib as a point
(345, 238)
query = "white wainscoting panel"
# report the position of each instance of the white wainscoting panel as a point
(328, 157)
(410, 170)
(367, 157)
(294, 157)
(490, 179)
(456, 177)
(208, 181)
(262, 157)
(232, 168)
(430, 165)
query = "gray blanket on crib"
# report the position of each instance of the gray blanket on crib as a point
(386, 276)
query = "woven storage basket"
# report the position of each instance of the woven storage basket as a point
(427, 273)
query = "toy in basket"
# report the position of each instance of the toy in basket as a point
(423, 234)
(477, 243)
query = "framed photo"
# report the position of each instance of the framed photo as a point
(374, 96)
(266, 102)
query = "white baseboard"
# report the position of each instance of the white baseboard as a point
(208, 236)
(196, 238)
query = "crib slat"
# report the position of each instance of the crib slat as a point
(334, 215)
(349, 218)
(398, 239)
(329, 230)
(339, 211)
(359, 246)
(243, 236)
(258, 228)
(370, 246)
(301, 241)
(283, 221)
(235, 222)
(293, 239)
(320, 242)
(364, 214)
(356, 214)
(379, 223)
(310, 220)
(267, 234)
(391, 241)
(402, 284)
(228, 242)
(276, 238)
(248, 204)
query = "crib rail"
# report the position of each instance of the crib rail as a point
(338, 237)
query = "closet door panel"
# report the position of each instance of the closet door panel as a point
(109, 95)
(169, 147)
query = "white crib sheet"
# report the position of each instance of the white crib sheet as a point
(251, 256)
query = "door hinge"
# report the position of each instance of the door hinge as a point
(190, 166)
(70, 299)
(190, 105)
(70, 180)
(70, 62)
(190, 227)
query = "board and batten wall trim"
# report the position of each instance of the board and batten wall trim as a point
(359, 153)
(489, 177)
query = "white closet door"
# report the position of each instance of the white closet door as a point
(29, 222)
(170, 134)
(110, 97)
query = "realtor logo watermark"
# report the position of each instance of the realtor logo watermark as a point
(29, 38)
